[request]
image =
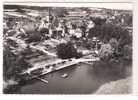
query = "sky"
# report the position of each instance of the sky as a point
(122, 6)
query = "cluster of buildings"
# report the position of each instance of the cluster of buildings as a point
(76, 22)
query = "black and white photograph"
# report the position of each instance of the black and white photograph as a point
(67, 48)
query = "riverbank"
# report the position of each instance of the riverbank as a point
(122, 86)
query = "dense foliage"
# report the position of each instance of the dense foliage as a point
(67, 50)
(105, 52)
(13, 63)
(116, 50)
(107, 31)
(98, 20)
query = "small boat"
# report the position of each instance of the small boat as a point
(64, 75)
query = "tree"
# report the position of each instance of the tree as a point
(13, 63)
(114, 44)
(108, 31)
(34, 37)
(127, 52)
(98, 20)
(67, 50)
(105, 51)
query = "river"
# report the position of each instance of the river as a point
(81, 79)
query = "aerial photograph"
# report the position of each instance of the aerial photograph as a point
(67, 49)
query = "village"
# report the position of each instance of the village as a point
(39, 41)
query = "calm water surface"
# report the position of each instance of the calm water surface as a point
(81, 80)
